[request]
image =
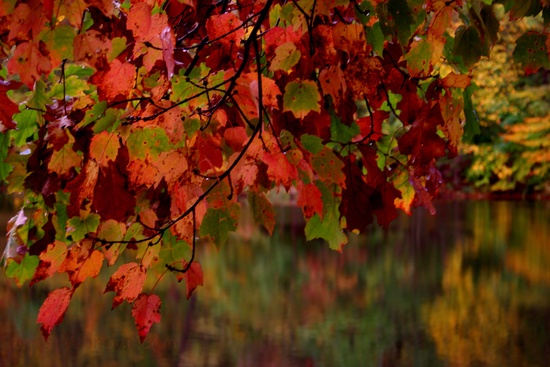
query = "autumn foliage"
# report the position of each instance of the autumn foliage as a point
(133, 128)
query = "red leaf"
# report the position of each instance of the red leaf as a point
(116, 82)
(26, 22)
(310, 200)
(30, 61)
(112, 200)
(8, 107)
(146, 312)
(82, 187)
(210, 154)
(193, 277)
(53, 309)
(371, 126)
(235, 137)
(279, 169)
(227, 28)
(127, 283)
(358, 200)
(421, 142)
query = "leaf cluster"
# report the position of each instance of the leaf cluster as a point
(133, 128)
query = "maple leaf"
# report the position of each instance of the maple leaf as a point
(127, 283)
(146, 312)
(53, 309)
(218, 222)
(279, 169)
(193, 277)
(358, 200)
(64, 160)
(30, 60)
(531, 52)
(301, 97)
(225, 28)
(92, 48)
(104, 148)
(8, 107)
(112, 200)
(328, 227)
(421, 142)
(328, 166)
(50, 261)
(27, 21)
(23, 270)
(116, 82)
(262, 210)
(310, 200)
(82, 261)
(419, 57)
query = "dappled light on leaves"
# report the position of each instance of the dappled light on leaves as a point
(135, 130)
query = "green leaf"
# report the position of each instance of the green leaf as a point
(218, 222)
(182, 88)
(61, 217)
(342, 133)
(312, 143)
(78, 227)
(74, 87)
(329, 227)
(5, 168)
(60, 40)
(471, 128)
(118, 45)
(108, 120)
(301, 97)
(78, 70)
(375, 38)
(27, 126)
(262, 210)
(531, 52)
(172, 252)
(24, 270)
(396, 19)
(491, 24)
(94, 114)
(39, 97)
(286, 56)
(418, 58)
(468, 45)
(151, 141)
(328, 167)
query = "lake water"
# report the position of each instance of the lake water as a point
(468, 287)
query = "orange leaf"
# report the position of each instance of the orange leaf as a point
(127, 283)
(145, 312)
(104, 148)
(82, 262)
(50, 261)
(456, 81)
(53, 309)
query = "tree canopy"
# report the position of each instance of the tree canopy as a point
(133, 128)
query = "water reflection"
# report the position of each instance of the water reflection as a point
(469, 287)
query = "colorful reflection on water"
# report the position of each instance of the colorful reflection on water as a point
(468, 287)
